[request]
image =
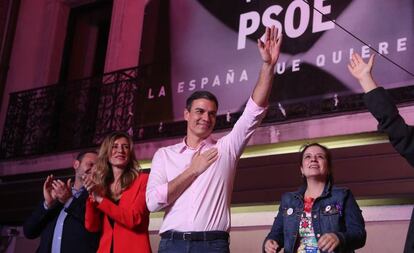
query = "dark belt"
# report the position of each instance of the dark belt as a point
(195, 236)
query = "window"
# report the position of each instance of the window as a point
(86, 41)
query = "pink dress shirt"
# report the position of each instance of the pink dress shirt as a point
(205, 204)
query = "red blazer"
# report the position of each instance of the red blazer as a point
(131, 220)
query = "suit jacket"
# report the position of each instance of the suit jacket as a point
(129, 232)
(401, 136)
(75, 238)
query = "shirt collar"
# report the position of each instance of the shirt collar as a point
(326, 190)
(77, 193)
(209, 141)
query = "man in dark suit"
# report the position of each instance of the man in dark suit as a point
(383, 108)
(59, 219)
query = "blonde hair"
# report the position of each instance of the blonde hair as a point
(104, 176)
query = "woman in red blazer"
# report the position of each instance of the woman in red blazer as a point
(116, 205)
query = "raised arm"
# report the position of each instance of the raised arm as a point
(383, 108)
(255, 109)
(362, 71)
(269, 51)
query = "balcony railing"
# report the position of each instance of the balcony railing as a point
(68, 116)
(79, 114)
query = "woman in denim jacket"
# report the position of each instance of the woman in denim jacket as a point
(319, 217)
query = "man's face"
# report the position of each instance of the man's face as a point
(84, 167)
(201, 118)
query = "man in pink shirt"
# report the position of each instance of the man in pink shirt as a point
(192, 181)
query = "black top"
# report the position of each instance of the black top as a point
(75, 238)
(401, 136)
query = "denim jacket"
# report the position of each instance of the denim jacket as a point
(335, 211)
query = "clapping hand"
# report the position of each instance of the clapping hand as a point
(63, 191)
(48, 192)
(92, 188)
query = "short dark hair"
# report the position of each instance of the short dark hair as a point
(80, 156)
(328, 157)
(200, 94)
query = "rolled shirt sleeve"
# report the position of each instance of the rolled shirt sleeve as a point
(157, 189)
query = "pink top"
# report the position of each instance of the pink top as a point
(204, 205)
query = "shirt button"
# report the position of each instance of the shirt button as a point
(318, 235)
(315, 216)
